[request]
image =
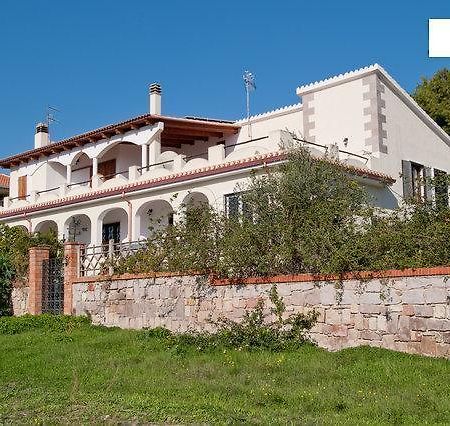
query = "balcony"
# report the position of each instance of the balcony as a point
(121, 165)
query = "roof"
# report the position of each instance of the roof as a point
(232, 166)
(176, 131)
(271, 114)
(4, 181)
(389, 81)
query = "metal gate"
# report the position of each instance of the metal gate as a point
(52, 286)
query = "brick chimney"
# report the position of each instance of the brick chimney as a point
(155, 98)
(41, 136)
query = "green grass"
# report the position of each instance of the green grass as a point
(96, 375)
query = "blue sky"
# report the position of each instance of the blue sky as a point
(94, 59)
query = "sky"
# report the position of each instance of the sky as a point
(93, 60)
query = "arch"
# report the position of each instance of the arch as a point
(113, 224)
(115, 144)
(247, 152)
(195, 199)
(48, 176)
(81, 170)
(195, 163)
(167, 156)
(46, 226)
(46, 164)
(78, 157)
(78, 228)
(22, 227)
(157, 214)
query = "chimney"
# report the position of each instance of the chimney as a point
(155, 98)
(41, 136)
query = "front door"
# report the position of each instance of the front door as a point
(111, 231)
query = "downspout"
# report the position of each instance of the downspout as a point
(130, 217)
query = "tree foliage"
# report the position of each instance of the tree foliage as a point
(307, 215)
(433, 95)
(15, 243)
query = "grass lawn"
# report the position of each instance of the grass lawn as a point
(97, 375)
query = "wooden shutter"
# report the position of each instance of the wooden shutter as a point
(107, 169)
(22, 193)
(407, 180)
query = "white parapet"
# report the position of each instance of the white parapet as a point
(216, 154)
(133, 173)
(178, 162)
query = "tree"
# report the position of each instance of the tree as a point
(433, 95)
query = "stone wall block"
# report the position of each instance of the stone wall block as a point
(436, 295)
(414, 297)
(327, 295)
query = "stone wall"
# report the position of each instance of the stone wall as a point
(409, 314)
(19, 296)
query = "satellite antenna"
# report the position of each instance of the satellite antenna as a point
(249, 81)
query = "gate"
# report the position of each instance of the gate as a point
(53, 286)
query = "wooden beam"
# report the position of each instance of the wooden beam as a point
(188, 132)
(177, 141)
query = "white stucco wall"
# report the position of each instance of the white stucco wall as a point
(408, 138)
(338, 114)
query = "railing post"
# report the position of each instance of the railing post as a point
(178, 162)
(37, 257)
(71, 272)
(33, 196)
(133, 173)
(216, 154)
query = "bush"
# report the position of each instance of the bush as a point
(6, 276)
(304, 216)
(256, 331)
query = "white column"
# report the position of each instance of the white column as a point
(94, 166)
(144, 162)
(154, 150)
(68, 174)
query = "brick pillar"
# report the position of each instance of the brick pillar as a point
(71, 271)
(37, 257)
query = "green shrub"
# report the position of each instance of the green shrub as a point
(45, 322)
(307, 215)
(259, 329)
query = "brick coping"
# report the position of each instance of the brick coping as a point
(362, 275)
(124, 277)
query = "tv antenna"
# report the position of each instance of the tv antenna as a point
(50, 116)
(249, 81)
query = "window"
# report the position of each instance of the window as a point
(416, 181)
(420, 184)
(236, 206)
(22, 191)
(111, 231)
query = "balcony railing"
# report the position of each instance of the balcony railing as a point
(215, 155)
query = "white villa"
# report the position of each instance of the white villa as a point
(108, 183)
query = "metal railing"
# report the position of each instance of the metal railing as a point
(101, 259)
